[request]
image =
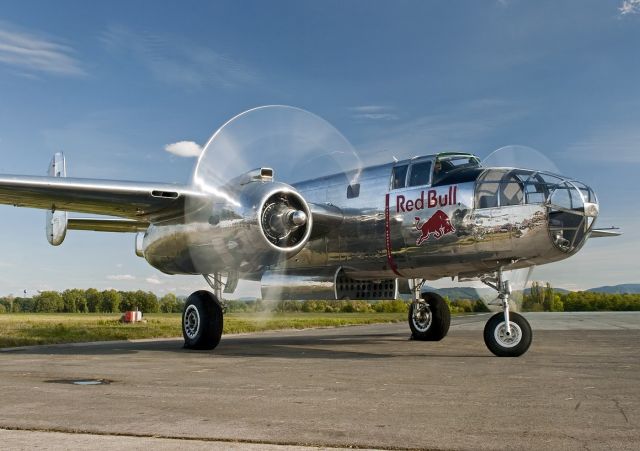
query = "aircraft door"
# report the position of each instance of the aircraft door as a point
(394, 220)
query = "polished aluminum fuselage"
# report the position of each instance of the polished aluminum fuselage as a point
(483, 240)
(423, 231)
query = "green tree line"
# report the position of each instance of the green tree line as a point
(541, 298)
(545, 299)
(91, 301)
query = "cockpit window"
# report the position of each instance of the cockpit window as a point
(399, 176)
(446, 164)
(420, 173)
(450, 163)
(511, 192)
(499, 188)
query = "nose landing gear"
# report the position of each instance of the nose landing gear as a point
(506, 334)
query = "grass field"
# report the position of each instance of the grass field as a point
(18, 329)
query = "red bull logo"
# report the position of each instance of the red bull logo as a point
(437, 225)
(427, 199)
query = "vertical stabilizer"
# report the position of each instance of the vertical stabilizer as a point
(56, 220)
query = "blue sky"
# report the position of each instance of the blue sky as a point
(113, 83)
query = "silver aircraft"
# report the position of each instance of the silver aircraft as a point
(368, 233)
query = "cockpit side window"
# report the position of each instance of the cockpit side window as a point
(420, 173)
(499, 188)
(399, 176)
(511, 192)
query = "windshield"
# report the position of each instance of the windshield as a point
(451, 162)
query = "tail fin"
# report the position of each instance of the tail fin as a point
(57, 220)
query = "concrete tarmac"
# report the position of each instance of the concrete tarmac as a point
(578, 387)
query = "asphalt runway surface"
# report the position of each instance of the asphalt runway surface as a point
(578, 387)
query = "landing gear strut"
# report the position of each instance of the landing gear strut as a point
(506, 334)
(202, 318)
(429, 315)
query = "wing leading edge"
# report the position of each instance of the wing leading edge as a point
(606, 233)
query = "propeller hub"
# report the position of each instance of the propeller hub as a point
(297, 218)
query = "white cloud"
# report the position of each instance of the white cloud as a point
(373, 113)
(121, 277)
(34, 54)
(629, 7)
(176, 60)
(458, 128)
(154, 280)
(184, 149)
(617, 143)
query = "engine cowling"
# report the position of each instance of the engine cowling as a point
(257, 223)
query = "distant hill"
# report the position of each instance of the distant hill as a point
(632, 288)
(455, 293)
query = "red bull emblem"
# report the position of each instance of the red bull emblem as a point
(438, 224)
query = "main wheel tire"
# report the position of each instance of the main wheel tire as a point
(202, 321)
(499, 343)
(432, 322)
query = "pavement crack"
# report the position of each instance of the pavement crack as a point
(621, 410)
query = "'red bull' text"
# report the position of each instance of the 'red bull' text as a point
(428, 199)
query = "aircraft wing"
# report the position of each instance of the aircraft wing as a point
(132, 200)
(604, 233)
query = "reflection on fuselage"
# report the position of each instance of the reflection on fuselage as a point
(486, 219)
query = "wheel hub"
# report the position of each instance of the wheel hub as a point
(505, 339)
(191, 322)
(422, 317)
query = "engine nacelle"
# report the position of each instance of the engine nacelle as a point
(273, 223)
(330, 284)
(254, 224)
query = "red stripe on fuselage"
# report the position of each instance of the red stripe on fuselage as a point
(387, 238)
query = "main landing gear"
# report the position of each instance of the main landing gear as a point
(202, 318)
(429, 315)
(506, 334)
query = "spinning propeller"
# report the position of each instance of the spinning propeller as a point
(522, 157)
(279, 144)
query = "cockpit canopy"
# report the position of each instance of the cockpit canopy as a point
(434, 170)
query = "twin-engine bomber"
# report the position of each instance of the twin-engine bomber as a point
(366, 233)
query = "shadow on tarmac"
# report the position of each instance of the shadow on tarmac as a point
(287, 346)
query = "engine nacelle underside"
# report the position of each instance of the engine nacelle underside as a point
(328, 284)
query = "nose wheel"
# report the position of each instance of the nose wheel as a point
(506, 334)
(507, 344)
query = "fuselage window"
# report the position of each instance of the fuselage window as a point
(399, 176)
(420, 173)
(353, 191)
